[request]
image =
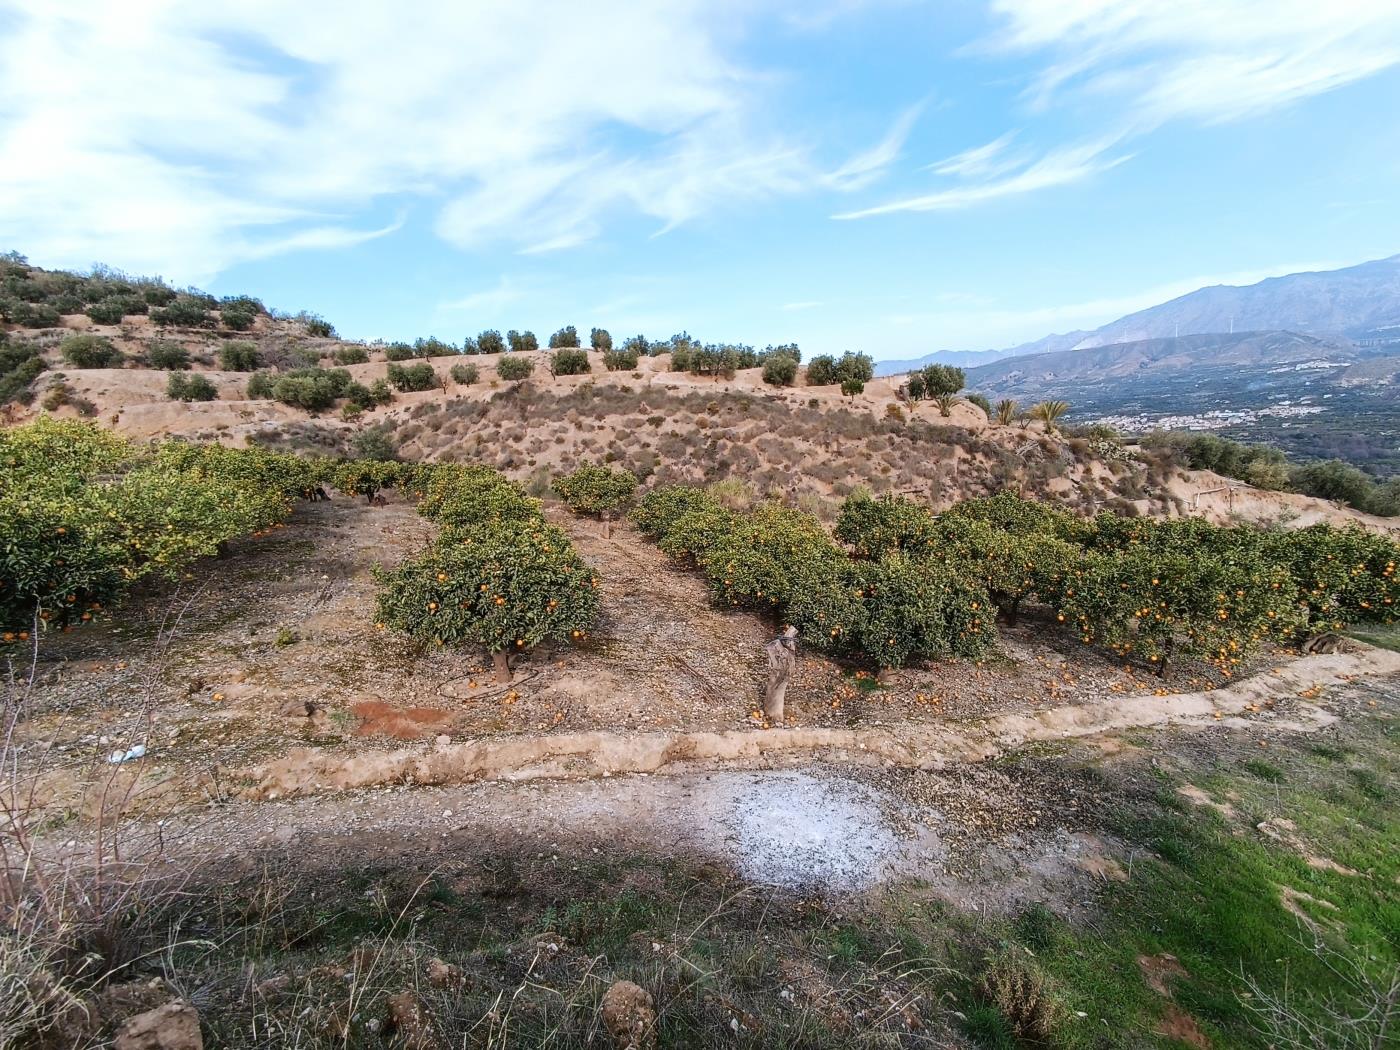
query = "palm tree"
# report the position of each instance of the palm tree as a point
(1049, 412)
(1006, 411)
(945, 404)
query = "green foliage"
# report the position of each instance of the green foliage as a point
(260, 386)
(316, 326)
(351, 355)
(923, 610)
(596, 490)
(876, 527)
(237, 319)
(600, 339)
(497, 576)
(464, 374)
(780, 370)
(184, 311)
(401, 352)
(374, 444)
(239, 355)
(852, 387)
(507, 589)
(522, 342)
(84, 514)
(20, 365)
(182, 386)
(1049, 413)
(1259, 465)
(1006, 412)
(624, 359)
(565, 338)
(1342, 576)
(167, 355)
(314, 389)
(90, 351)
(490, 342)
(513, 369)
(413, 377)
(657, 512)
(364, 397)
(1333, 480)
(934, 381)
(637, 344)
(569, 363)
(981, 402)
(109, 311)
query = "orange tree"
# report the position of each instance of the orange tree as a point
(597, 490)
(83, 514)
(1155, 603)
(366, 477)
(763, 558)
(497, 575)
(507, 588)
(657, 511)
(921, 610)
(873, 527)
(1343, 575)
(1013, 566)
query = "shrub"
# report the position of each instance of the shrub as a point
(464, 374)
(398, 352)
(522, 342)
(183, 387)
(821, 370)
(236, 318)
(1005, 412)
(596, 490)
(185, 311)
(490, 342)
(513, 369)
(413, 377)
(313, 389)
(351, 355)
(624, 359)
(600, 339)
(1049, 413)
(109, 311)
(1333, 480)
(170, 356)
(569, 363)
(945, 404)
(259, 386)
(239, 356)
(364, 397)
(374, 444)
(565, 338)
(941, 380)
(20, 365)
(316, 326)
(90, 351)
(980, 400)
(852, 387)
(780, 370)
(432, 346)
(638, 345)
(876, 527)
(158, 295)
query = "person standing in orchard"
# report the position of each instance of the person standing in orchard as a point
(782, 658)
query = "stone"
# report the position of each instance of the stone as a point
(411, 1024)
(174, 1026)
(629, 1015)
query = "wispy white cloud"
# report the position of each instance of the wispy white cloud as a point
(988, 160)
(810, 304)
(198, 135)
(1058, 168)
(1208, 60)
(865, 167)
(488, 300)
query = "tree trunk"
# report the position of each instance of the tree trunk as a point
(607, 526)
(501, 662)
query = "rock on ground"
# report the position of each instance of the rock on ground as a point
(629, 1016)
(174, 1026)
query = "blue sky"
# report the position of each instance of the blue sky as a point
(894, 177)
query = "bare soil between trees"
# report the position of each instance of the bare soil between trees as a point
(265, 678)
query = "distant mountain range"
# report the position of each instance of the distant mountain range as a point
(1360, 303)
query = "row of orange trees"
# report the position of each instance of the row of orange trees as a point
(497, 576)
(781, 562)
(1143, 588)
(899, 584)
(85, 513)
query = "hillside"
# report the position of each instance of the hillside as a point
(1361, 302)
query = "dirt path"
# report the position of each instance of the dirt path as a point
(594, 754)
